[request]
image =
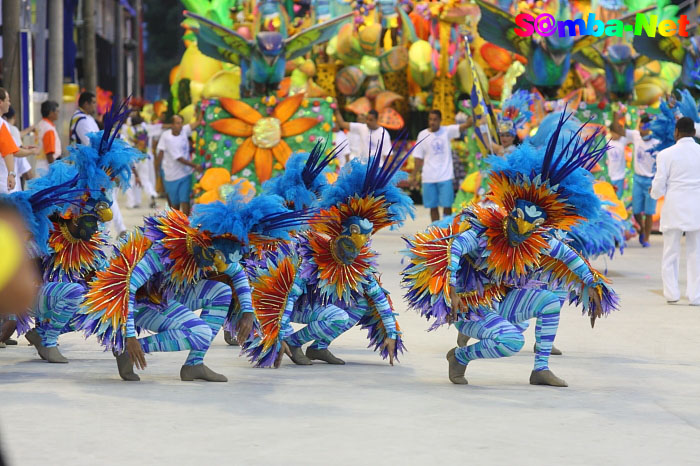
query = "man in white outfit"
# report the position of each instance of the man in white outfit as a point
(83, 123)
(365, 138)
(678, 179)
(136, 133)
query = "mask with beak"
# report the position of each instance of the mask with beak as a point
(523, 220)
(354, 236)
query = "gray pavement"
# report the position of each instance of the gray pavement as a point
(633, 395)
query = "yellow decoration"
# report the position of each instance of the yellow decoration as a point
(606, 192)
(196, 66)
(223, 84)
(267, 133)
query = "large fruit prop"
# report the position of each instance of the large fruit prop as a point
(216, 184)
(253, 137)
(371, 59)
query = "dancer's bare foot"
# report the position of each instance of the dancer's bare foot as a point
(323, 355)
(200, 372)
(126, 368)
(456, 370)
(546, 377)
(298, 357)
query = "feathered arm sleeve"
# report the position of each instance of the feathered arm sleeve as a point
(434, 257)
(376, 294)
(241, 286)
(568, 269)
(144, 269)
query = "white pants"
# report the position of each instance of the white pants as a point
(670, 265)
(116, 226)
(133, 194)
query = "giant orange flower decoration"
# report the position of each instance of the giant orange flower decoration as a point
(263, 135)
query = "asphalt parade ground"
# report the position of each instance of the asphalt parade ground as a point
(633, 395)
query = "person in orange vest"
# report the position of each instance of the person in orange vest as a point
(49, 142)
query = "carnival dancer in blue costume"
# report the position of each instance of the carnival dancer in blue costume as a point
(163, 273)
(74, 248)
(488, 268)
(332, 270)
(301, 185)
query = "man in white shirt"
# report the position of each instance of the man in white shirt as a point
(341, 140)
(366, 137)
(174, 151)
(135, 132)
(678, 180)
(434, 166)
(22, 166)
(83, 121)
(49, 141)
(615, 160)
(643, 205)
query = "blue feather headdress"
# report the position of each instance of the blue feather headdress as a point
(515, 112)
(44, 196)
(563, 166)
(301, 183)
(549, 125)
(360, 183)
(663, 126)
(265, 216)
(687, 106)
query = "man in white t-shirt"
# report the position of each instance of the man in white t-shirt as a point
(615, 160)
(643, 205)
(49, 141)
(340, 139)
(366, 137)
(433, 164)
(22, 166)
(174, 151)
(136, 132)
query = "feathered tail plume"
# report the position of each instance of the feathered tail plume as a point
(317, 161)
(113, 121)
(584, 154)
(687, 105)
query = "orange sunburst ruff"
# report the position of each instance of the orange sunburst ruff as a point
(270, 295)
(179, 239)
(504, 258)
(338, 279)
(75, 257)
(107, 299)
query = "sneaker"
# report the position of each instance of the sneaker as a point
(641, 240)
(646, 244)
(153, 203)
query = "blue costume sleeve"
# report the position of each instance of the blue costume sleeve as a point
(144, 269)
(241, 286)
(376, 294)
(590, 281)
(462, 244)
(295, 293)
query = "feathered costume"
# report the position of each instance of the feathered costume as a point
(74, 248)
(499, 259)
(174, 266)
(328, 278)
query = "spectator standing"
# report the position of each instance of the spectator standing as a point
(678, 179)
(340, 139)
(8, 148)
(643, 205)
(22, 166)
(49, 141)
(174, 152)
(135, 132)
(82, 123)
(615, 160)
(433, 164)
(366, 137)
